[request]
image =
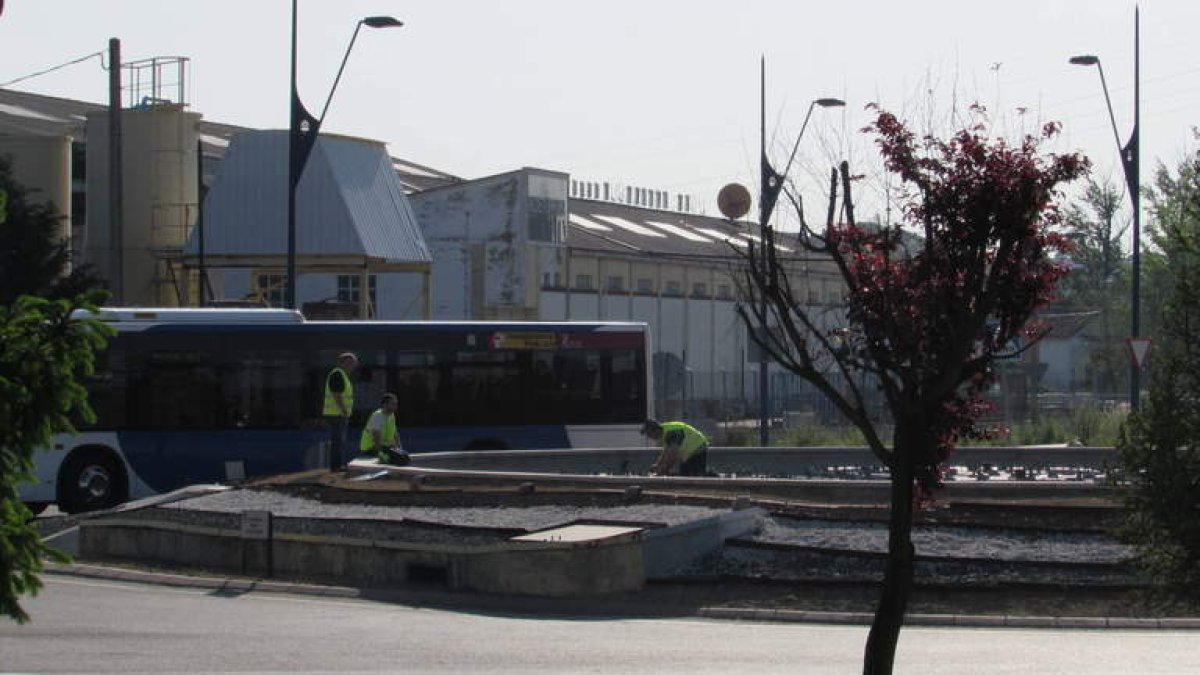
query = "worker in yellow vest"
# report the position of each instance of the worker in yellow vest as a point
(684, 448)
(379, 437)
(339, 404)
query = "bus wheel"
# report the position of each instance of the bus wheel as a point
(90, 481)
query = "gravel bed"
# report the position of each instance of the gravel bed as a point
(530, 518)
(783, 565)
(964, 555)
(345, 527)
(985, 555)
(951, 541)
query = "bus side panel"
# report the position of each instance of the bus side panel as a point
(48, 463)
(167, 460)
(44, 487)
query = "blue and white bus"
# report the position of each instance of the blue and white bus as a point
(187, 396)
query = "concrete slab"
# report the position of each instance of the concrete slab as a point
(578, 533)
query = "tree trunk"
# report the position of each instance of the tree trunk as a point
(897, 580)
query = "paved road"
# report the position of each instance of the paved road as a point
(82, 625)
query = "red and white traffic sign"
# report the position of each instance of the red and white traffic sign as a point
(1138, 349)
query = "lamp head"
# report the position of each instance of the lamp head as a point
(382, 22)
(830, 102)
(1085, 60)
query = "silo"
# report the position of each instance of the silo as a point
(42, 164)
(160, 199)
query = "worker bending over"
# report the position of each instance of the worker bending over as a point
(684, 448)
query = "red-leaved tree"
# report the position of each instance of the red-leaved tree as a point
(932, 302)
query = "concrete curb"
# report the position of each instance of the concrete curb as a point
(538, 605)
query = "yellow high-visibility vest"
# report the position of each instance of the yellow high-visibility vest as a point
(387, 435)
(331, 406)
(693, 440)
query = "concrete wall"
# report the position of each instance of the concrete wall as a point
(484, 237)
(548, 569)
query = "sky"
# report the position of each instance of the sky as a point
(663, 94)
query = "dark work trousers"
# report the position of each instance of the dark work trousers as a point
(337, 442)
(697, 464)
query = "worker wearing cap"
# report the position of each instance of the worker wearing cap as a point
(684, 448)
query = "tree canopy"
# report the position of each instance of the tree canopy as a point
(44, 354)
(1160, 451)
(932, 302)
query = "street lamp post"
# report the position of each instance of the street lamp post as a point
(770, 185)
(302, 136)
(1131, 166)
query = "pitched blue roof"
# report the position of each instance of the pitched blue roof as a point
(349, 202)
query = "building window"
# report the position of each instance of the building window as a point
(270, 288)
(583, 282)
(699, 290)
(615, 285)
(547, 219)
(645, 285)
(552, 280)
(674, 288)
(724, 292)
(349, 288)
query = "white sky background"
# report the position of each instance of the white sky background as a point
(661, 94)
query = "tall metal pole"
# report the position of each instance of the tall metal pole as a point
(116, 184)
(769, 186)
(1130, 155)
(289, 297)
(764, 214)
(1132, 163)
(302, 137)
(200, 222)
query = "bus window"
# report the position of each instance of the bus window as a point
(370, 384)
(579, 371)
(626, 378)
(108, 389)
(416, 386)
(176, 389)
(485, 387)
(261, 389)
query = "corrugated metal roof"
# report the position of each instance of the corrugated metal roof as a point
(622, 228)
(33, 115)
(37, 115)
(1064, 326)
(348, 202)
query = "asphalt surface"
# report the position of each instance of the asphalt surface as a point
(90, 625)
